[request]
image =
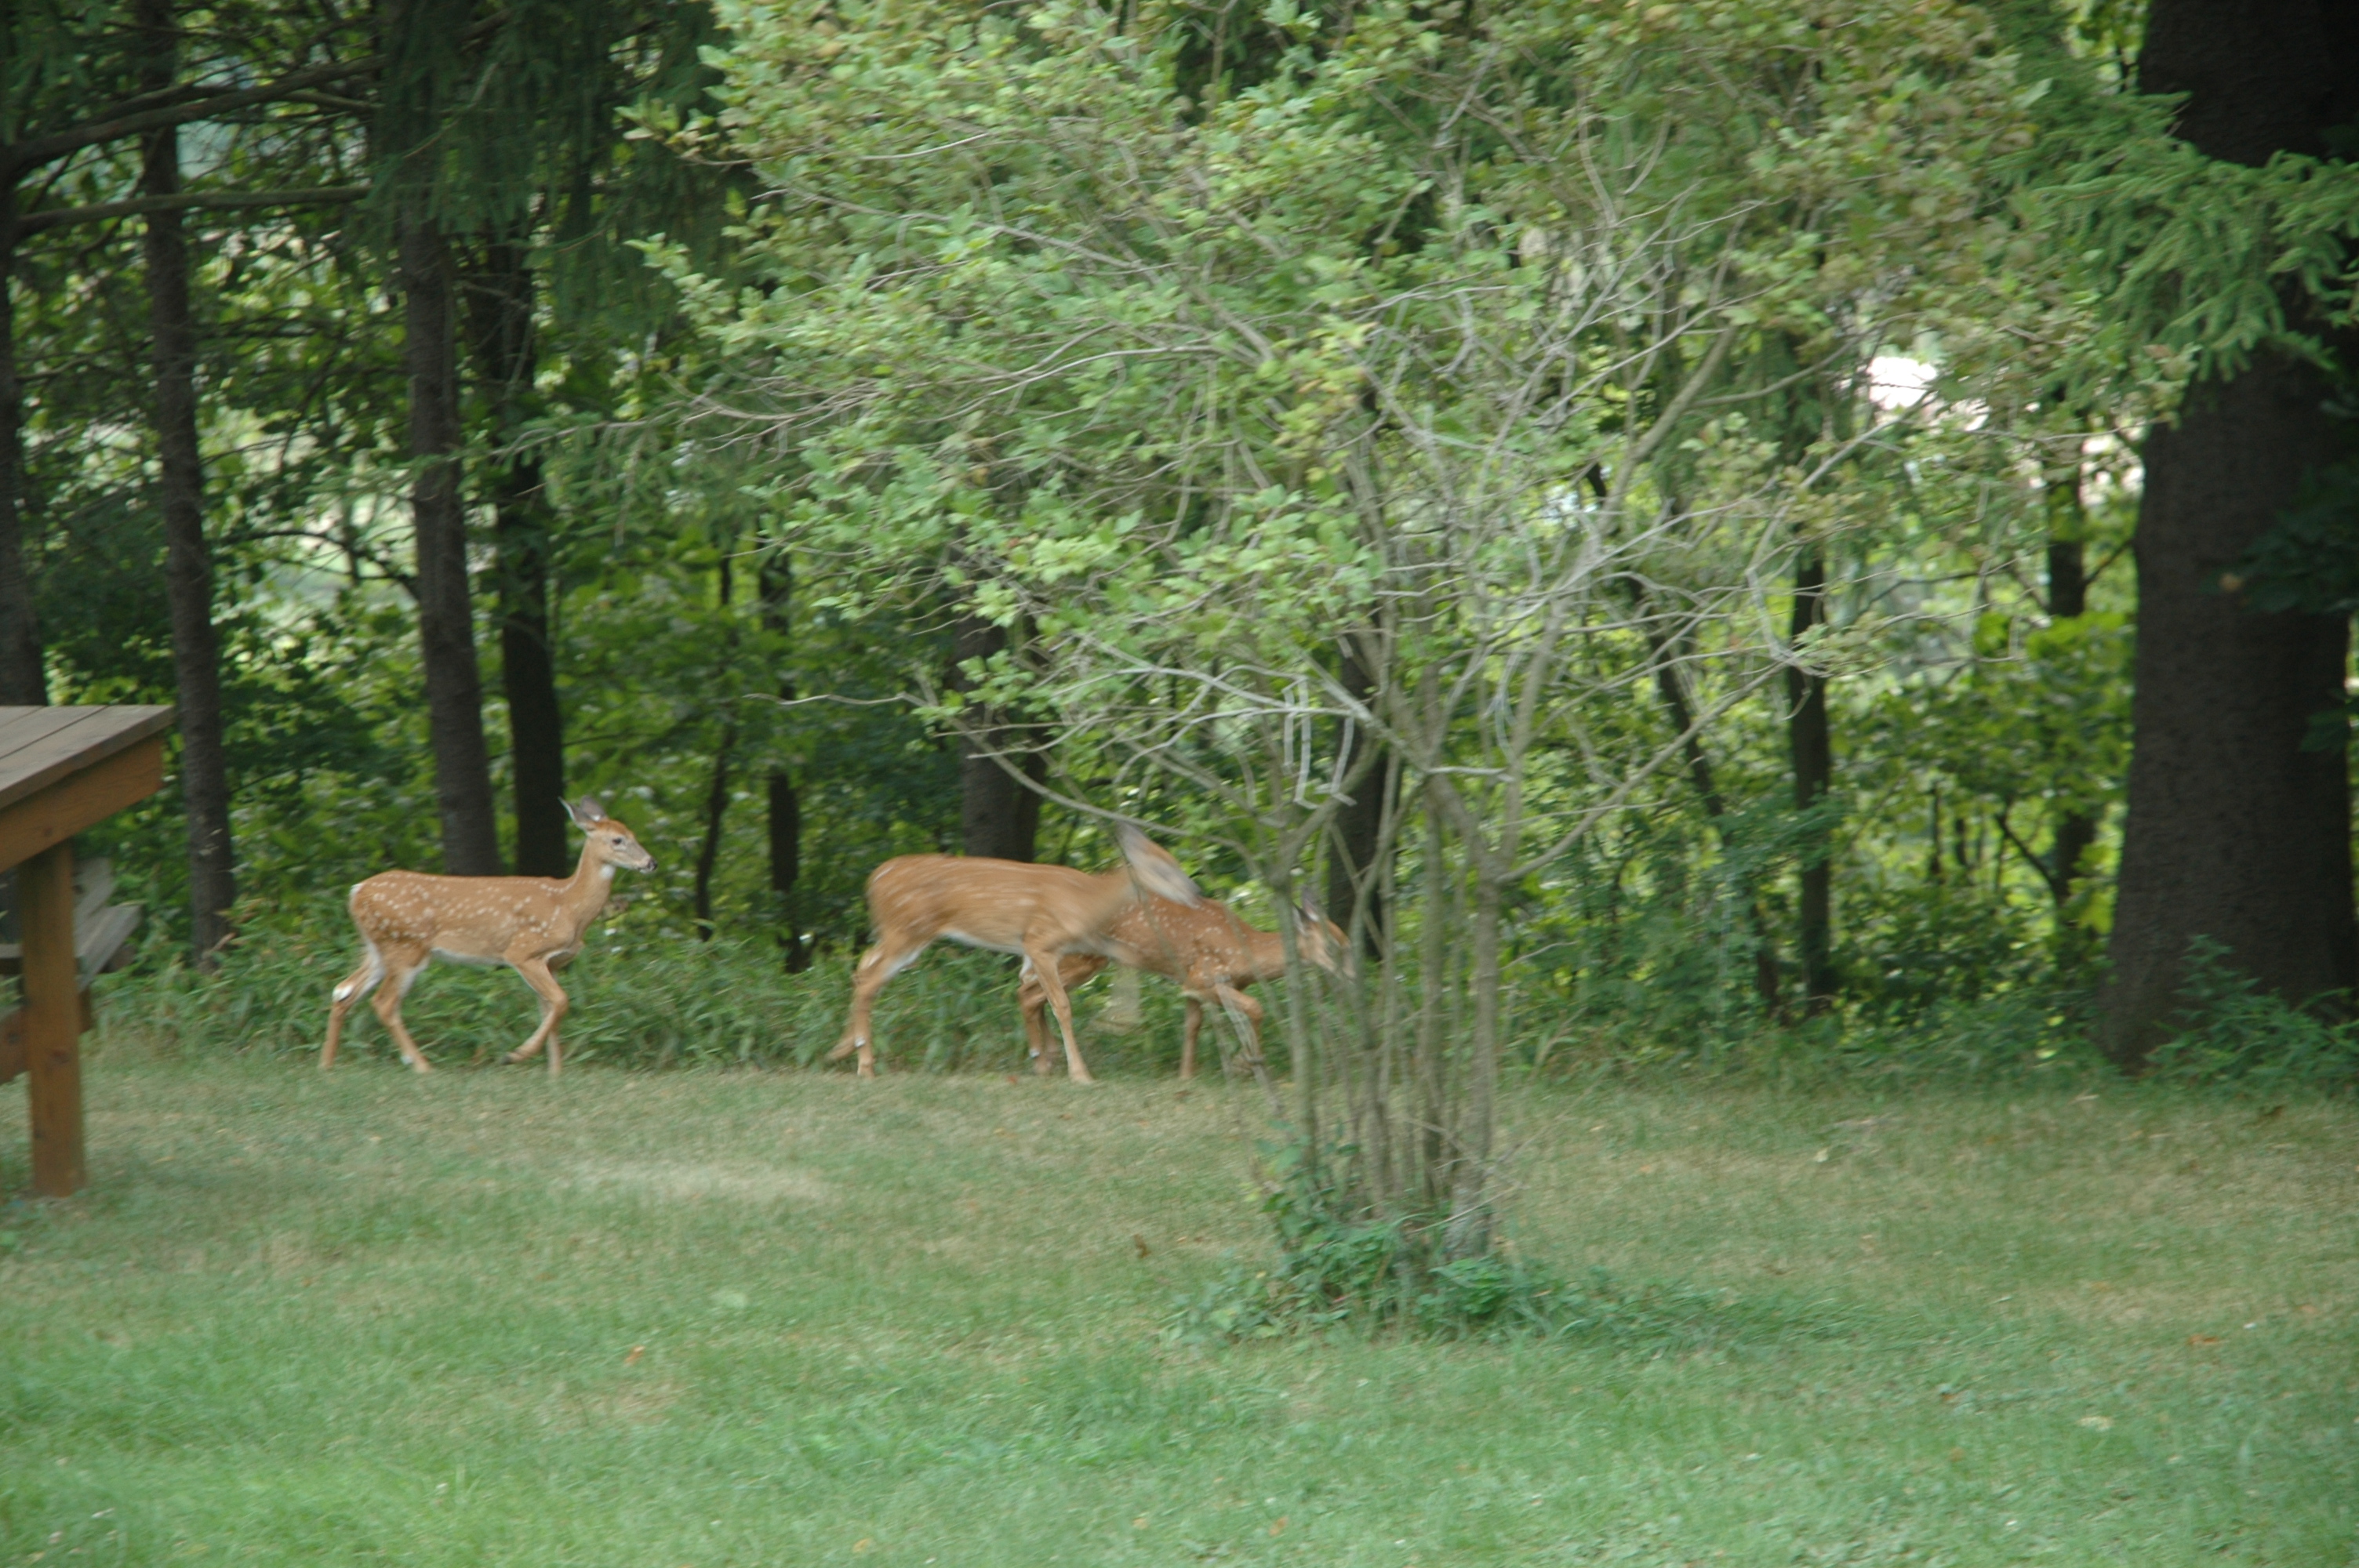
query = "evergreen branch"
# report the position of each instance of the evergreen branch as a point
(40, 150)
(57, 217)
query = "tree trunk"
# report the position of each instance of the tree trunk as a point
(506, 354)
(2068, 598)
(786, 808)
(716, 811)
(1359, 827)
(1814, 757)
(446, 621)
(2237, 830)
(997, 815)
(188, 561)
(22, 682)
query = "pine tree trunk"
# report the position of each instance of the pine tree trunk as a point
(997, 816)
(2239, 825)
(446, 622)
(507, 355)
(188, 561)
(1814, 757)
(23, 681)
(786, 811)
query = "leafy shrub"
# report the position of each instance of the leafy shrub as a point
(2232, 1032)
(1339, 1268)
(1918, 948)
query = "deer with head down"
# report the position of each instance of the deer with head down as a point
(1209, 950)
(1038, 913)
(533, 925)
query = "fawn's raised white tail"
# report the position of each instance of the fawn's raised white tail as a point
(1208, 948)
(533, 925)
(1040, 912)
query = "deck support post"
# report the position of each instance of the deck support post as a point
(45, 908)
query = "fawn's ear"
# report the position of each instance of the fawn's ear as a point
(588, 813)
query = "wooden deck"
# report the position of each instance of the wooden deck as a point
(62, 770)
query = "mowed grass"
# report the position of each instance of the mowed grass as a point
(714, 1317)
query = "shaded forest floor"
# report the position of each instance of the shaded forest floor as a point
(714, 1317)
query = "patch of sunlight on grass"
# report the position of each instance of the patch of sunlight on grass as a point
(718, 1317)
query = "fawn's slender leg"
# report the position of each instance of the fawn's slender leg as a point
(1046, 965)
(401, 972)
(1187, 1041)
(553, 1006)
(892, 955)
(356, 985)
(1075, 969)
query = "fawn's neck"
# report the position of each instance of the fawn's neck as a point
(585, 892)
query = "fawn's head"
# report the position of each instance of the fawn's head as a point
(1323, 942)
(611, 843)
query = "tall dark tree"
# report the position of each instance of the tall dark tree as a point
(446, 609)
(716, 794)
(497, 126)
(1813, 750)
(2239, 821)
(2068, 599)
(997, 815)
(418, 129)
(785, 821)
(188, 559)
(500, 309)
(22, 680)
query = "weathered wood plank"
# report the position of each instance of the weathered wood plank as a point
(36, 750)
(23, 727)
(69, 804)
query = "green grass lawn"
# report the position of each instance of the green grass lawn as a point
(717, 1317)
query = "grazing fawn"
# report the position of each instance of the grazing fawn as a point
(1209, 950)
(1040, 912)
(533, 925)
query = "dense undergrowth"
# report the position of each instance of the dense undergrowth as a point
(660, 1000)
